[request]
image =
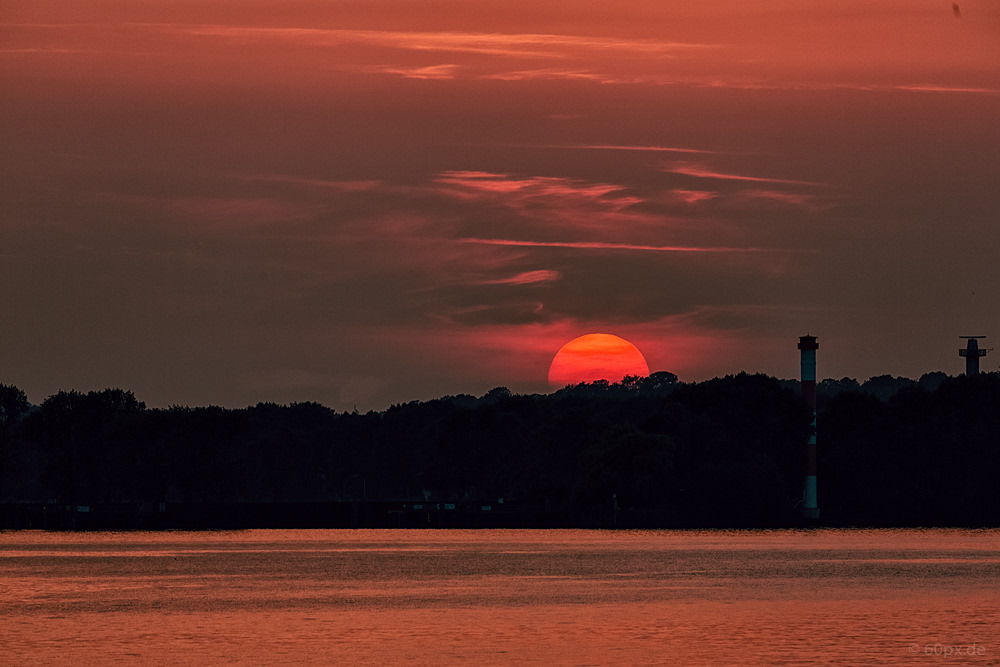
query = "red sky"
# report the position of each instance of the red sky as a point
(368, 202)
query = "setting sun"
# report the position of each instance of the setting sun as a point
(593, 357)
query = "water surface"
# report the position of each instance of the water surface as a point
(567, 597)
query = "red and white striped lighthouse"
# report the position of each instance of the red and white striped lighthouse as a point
(808, 346)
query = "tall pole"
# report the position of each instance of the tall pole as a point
(808, 346)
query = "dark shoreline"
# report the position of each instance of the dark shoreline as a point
(655, 454)
(375, 514)
(334, 514)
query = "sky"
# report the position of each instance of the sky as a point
(368, 202)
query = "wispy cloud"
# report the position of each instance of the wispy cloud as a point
(936, 88)
(701, 171)
(433, 72)
(523, 191)
(600, 245)
(641, 149)
(693, 196)
(336, 185)
(789, 198)
(596, 72)
(540, 276)
(473, 55)
(552, 73)
(518, 312)
(498, 44)
(65, 51)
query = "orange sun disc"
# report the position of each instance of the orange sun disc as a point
(593, 357)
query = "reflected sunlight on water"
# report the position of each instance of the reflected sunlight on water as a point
(843, 597)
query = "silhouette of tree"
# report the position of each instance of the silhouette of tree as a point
(92, 444)
(634, 465)
(922, 457)
(886, 386)
(13, 407)
(725, 452)
(931, 381)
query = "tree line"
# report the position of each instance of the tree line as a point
(724, 452)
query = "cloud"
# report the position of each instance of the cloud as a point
(522, 45)
(540, 276)
(554, 199)
(512, 313)
(701, 171)
(938, 88)
(242, 212)
(790, 198)
(693, 196)
(598, 245)
(518, 189)
(336, 185)
(727, 61)
(68, 52)
(641, 149)
(430, 72)
(551, 73)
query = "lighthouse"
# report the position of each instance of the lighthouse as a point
(808, 347)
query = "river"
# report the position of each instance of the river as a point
(490, 597)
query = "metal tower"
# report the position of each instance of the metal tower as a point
(971, 352)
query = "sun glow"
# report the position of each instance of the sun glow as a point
(596, 356)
